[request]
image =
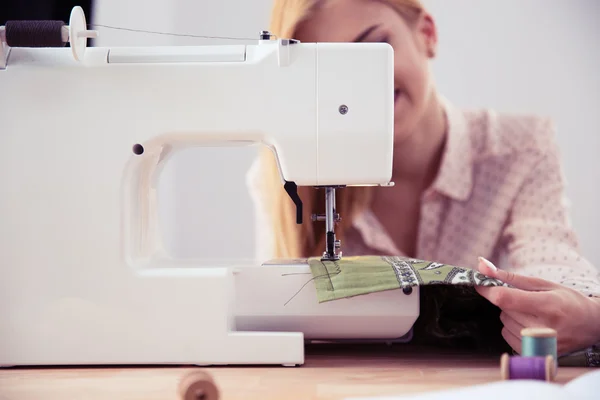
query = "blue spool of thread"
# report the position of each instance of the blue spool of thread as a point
(535, 368)
(538, 342)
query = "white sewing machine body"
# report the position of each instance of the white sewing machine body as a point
(84, 278)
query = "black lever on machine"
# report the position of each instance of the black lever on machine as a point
(292, 191)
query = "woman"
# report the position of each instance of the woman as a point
(468, 184)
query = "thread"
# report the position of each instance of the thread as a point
(306, 283)
(34, 33)
(198, 385)
(538, 342)
(534, 368)
(49, 33)
(170, 33)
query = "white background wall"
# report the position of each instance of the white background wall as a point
(532, 56)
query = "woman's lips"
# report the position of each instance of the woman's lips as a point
(396, 95)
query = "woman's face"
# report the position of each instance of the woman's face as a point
(375, 21)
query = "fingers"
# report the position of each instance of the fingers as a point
(525, 320)
(486, 267)
(511, 324)
(514, 323)
(512, 299)
(512, 340)
(519, 281)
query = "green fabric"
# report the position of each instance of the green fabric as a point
(452, 313)
(354, 276)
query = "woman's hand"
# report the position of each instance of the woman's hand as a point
(534, 302)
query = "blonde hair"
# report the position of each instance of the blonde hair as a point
(292, 240)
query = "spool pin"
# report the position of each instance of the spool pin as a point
(50, 33)
(198, 385)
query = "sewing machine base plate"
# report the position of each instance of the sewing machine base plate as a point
(279, 296)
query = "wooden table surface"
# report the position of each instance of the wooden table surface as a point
(329, 373)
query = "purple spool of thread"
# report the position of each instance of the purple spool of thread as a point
(535, 368)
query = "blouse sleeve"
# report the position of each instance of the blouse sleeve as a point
(263, 232)
(538, 236)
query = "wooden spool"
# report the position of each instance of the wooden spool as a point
(198, 385)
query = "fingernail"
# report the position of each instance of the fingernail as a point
(488, 263)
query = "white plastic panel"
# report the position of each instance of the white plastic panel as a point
(281, 297)
(356, 147)
(173, 54)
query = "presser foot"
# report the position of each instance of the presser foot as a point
(331, 218)
(333, 245)
(335, 257)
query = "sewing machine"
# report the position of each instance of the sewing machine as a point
(84, 277)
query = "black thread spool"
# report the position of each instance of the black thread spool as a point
(50, 33)
(35, 34)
